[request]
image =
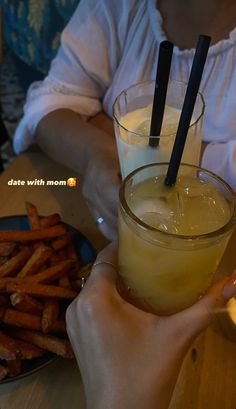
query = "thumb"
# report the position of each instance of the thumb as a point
(197, 317)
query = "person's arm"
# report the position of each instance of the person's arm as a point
(58, 134)
(129, 358)
(90, 151)
(220, 158)
(74, 89)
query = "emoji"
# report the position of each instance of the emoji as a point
(71, 182)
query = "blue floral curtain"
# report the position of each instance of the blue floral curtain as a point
(32, 28)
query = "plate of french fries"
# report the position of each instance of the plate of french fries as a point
(43, 266)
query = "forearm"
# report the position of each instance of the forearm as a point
(152, 390)
(67, 139)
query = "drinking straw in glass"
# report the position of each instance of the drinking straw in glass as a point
(188, 106)
(161, 84)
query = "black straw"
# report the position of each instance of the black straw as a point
(188, 106)
(161, 83)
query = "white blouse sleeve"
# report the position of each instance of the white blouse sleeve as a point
(80, 73)
(220, 158)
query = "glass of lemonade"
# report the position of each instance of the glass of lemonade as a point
(171, 240)
(132, 112)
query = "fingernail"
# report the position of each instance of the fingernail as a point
(229, 289)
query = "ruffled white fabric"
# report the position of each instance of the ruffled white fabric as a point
(109, 45)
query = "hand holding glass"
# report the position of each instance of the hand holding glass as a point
(171, 240)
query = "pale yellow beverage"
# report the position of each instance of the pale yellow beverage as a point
(171, 240)
(132, 112)
(132, 139)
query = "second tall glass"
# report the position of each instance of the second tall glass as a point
(132, 112)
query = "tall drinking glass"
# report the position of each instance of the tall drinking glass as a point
(171, 240)
(132, 112)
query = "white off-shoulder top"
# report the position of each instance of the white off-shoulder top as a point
(109, 45)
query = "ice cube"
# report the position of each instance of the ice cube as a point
(143, 128)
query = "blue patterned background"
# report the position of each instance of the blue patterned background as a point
(32, 28)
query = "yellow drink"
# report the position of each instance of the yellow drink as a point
(132, 113)
(171, 240)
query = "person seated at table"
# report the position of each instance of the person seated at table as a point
(108, 46)
(129, 358)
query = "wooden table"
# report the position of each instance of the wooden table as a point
(208, 375)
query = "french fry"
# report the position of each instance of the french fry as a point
(61, 242)
(41, 290)
(38, 258)
(64, 282)
(71, 253)
(25, 303)
(49, 343)
(51, 220)
(54, 259)
(3, 300)
(52, 273)
(50, 314)
(3, 372)
(37, 267)
(31, 235)
(16, 262)
(5, 280)
(62, 255)
(6, 249)
(27, 350)
(8, 347)
(14, 367)
(3, 260)
(21, 319)
(33, 216)
(2, 312)
(34, 220)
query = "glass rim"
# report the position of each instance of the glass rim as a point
(183, 237)
(154, 136)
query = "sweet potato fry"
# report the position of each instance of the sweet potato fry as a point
(62, 255)
(54, 259)
(2, 311)
(21, 319)
(28, 351)
(71, 253)
(38, 258)
(52, 273)
(3, 372)
(41, 290)
(16, 262)
(8, 347)
(6, 249)
(3, 300)
(3, 260)
(25, 303)
(5, 280)
(49, 343)
(50, 220)
(14, 367)
(31, 235)
(64, 281)
(39, 269)
(33, 216)
(61, 242)
(50, 314)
